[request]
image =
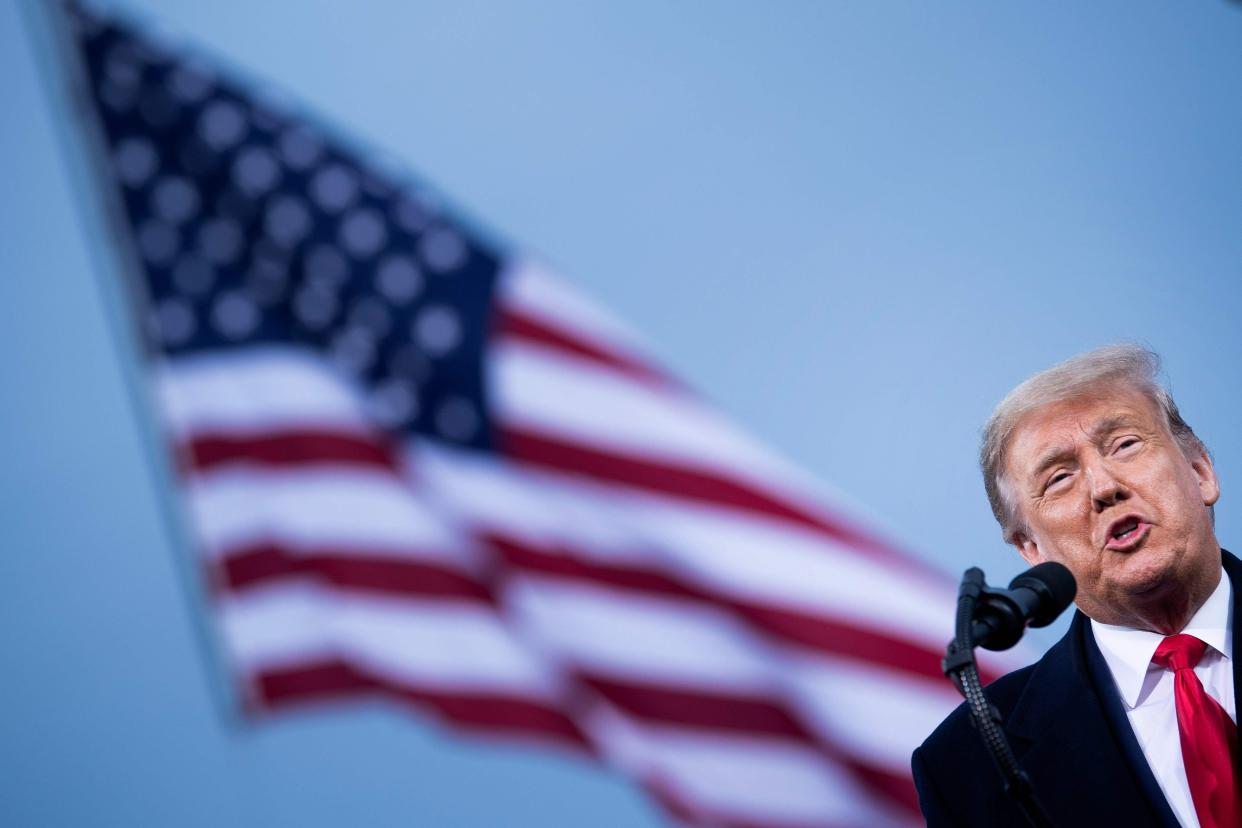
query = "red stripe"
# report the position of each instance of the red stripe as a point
(293, 448)
(288, 448)
(263, 563)
(338, 680)
(685, 707)
(564, 563)
(753, 715)
(844, 639)
(358, 570)
(815, 632)
(510, 322)
(899, 787)
(678, 481)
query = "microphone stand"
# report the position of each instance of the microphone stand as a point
(960, 668)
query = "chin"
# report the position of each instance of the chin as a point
(1147, 572)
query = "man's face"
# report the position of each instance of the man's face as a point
(1101, 486)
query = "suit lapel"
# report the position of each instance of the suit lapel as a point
(1233, 568)
(1123, 734)
(1077, 745)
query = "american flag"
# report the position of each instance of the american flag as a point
(418, 465)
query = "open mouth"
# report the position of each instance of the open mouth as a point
(1126, 532)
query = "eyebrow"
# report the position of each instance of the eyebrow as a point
(1101, 430)
(1110, 424)
(1048, 458)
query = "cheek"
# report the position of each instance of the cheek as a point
(1063, 534)
(1058, 514)
(1176, 496)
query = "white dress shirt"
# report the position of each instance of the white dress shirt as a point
(1147, 689)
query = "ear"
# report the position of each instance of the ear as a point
(1209, 486)
(1028, 548)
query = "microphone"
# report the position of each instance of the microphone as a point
(1035, 598)
(995, 619)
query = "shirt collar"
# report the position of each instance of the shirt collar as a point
(1128, 652)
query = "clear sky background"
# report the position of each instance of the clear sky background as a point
(852, 225)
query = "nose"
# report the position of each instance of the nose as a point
(1105, 488)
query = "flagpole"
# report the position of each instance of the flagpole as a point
(121, 289)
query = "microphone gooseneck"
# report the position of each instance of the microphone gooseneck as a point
(996, 619)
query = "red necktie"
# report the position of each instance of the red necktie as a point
(1209, 737)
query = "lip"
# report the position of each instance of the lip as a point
(1133, 541)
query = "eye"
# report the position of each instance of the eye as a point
(1055, 478)
(1125, 443)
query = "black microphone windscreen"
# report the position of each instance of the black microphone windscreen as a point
(1055, 585)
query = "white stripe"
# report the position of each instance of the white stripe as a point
(731, 776)
(528, 286)
(253, 389)
(489, 492)
(445, 644)
(666, 640)
(742, 556)
(538, 389)
(533, 289)
(339, 507)
(876, 714)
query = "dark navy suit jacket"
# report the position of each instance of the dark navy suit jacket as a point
(1069, 731)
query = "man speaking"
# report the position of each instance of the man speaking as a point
(1130, 718)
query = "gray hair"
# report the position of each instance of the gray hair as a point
(1131, 365)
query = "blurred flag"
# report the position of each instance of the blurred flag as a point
(419, 466)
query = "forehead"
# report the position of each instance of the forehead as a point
(1064, 424)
